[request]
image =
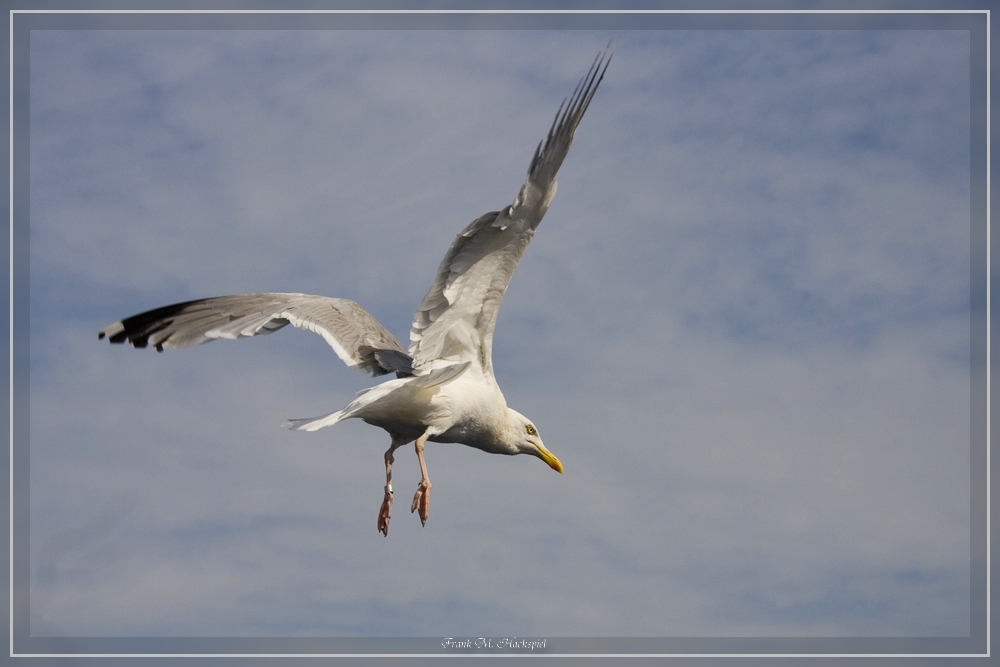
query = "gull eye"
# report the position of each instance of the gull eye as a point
(531, 430)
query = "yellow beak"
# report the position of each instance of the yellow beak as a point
(550, 458)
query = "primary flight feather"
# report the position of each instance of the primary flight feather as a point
(444, 389)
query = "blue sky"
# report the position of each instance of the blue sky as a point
(743, 326)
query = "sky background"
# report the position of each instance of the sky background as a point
(743, 326)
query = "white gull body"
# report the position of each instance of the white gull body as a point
(444, 390)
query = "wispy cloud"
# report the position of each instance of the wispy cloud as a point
(743, 326)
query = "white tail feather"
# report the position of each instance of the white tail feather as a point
(372, 394)
(315, 423)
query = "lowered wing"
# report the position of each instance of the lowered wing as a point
(351, 331)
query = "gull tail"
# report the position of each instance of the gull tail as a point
(316, 423)
(367, 397)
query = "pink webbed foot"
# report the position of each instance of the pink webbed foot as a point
(422, 501)
(385, 512)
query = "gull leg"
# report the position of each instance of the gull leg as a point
(385, 512)
(422, 498)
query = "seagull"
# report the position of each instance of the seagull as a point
(444, 389)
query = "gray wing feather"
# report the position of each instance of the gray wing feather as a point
(455, 321)
(350, 330)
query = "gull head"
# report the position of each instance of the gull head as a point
(524, 439)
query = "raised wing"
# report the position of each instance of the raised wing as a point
(351, 331)
(455, 321)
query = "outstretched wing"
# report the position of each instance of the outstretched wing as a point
(455, 321)
(351, 331)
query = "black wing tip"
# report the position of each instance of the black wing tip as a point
(115, 333)
(572, 108)
(138, 328)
